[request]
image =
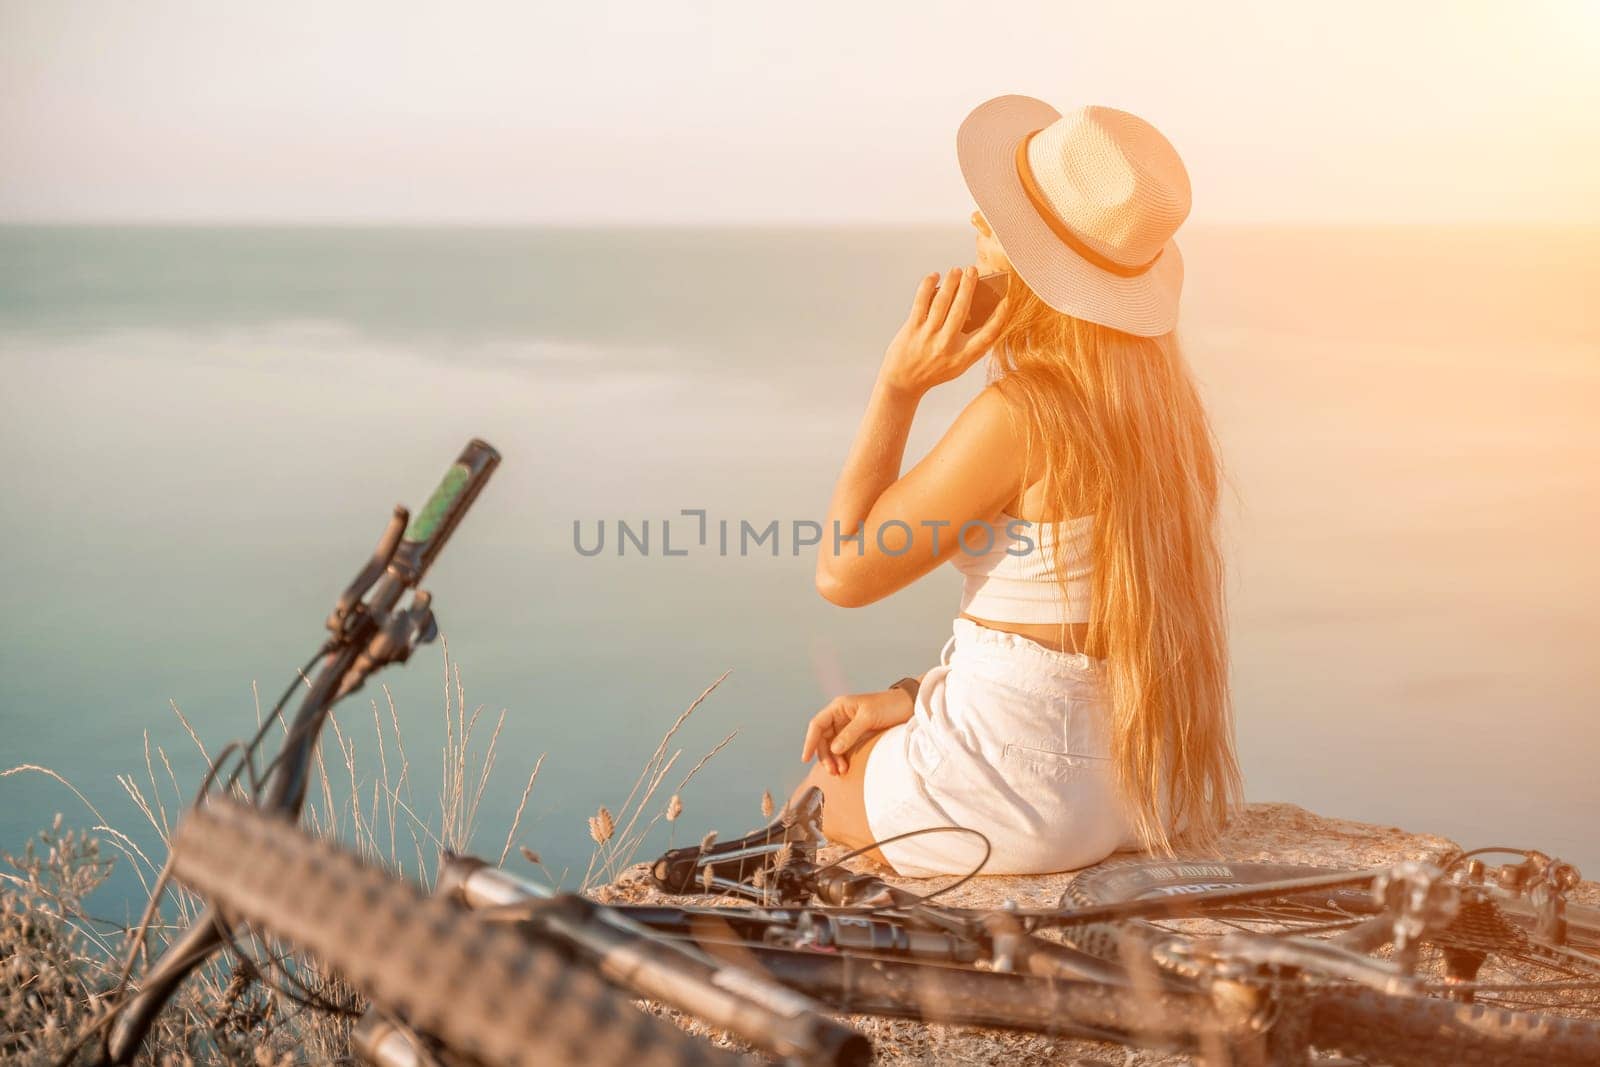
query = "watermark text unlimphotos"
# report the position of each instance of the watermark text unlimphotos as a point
(693, 531)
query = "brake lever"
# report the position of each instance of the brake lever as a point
(397, 636)
(369, 574)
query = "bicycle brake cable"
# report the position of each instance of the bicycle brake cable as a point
(921, 898)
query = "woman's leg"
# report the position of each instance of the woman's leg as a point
(844, 812)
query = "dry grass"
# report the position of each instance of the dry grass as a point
(58, 961)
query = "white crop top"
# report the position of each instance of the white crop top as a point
(1014, 581)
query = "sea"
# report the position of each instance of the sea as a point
(205, 430)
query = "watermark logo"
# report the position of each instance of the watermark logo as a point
(694, 531)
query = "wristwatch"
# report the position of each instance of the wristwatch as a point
(910, 685)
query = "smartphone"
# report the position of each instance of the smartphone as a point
(985, 298)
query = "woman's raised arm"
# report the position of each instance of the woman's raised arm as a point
(884, 531)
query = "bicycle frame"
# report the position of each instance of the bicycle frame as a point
(1398, 906)
(853, 982)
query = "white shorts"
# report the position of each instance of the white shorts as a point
(1008, 738)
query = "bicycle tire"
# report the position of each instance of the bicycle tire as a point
(476, 986)
(1351, 1020)
(1426, 1031)
(1120, 880)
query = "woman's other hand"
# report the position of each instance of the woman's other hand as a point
(844, 723)
(930, 348)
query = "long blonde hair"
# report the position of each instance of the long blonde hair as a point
(1123, 435)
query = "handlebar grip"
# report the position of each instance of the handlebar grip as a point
(432, 526)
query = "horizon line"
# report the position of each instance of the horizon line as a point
(730, 224)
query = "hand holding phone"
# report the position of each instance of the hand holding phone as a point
(926, 351)
(991, 289)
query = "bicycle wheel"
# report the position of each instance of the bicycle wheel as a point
(1530, 1003)
(476, 986)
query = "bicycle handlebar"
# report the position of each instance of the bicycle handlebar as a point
(431, 527)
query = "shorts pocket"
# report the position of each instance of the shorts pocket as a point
(923, 754)
(1051, 762)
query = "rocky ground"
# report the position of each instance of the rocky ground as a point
(1263, 833)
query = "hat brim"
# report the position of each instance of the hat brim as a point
(986, 146)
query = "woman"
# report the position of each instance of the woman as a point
(1081, 704)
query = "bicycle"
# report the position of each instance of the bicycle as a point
(1387, 964)
(1416, 963)
(1107, 964)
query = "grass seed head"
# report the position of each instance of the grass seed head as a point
(602, 825)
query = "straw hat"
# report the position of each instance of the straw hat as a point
(1085, 205)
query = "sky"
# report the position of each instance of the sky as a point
(711, 111)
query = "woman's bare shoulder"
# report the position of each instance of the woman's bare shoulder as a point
(994, 414)
(1000, 414)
